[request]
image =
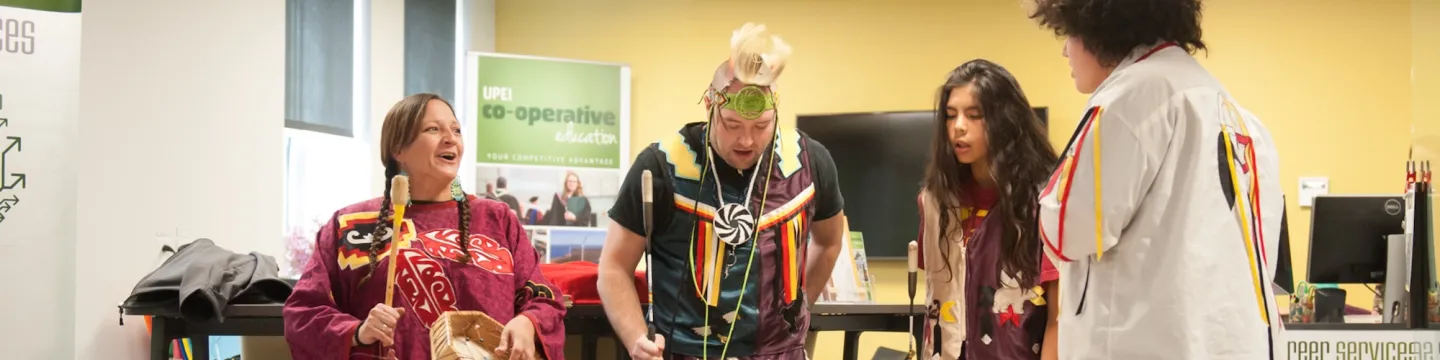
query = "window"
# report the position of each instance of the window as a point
(320, 64)
(431, 53)
(436, 41)
(327, 92)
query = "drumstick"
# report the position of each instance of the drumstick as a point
(648, 199)
(399, 197)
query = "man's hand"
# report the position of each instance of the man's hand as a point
(517, 341)
(618, 258)
(380, 325)
(644, 349)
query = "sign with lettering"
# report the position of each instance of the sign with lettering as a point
(1362, 345)
(549, 112)
(551, 140)
(39, 130)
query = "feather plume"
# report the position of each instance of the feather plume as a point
(756, 56)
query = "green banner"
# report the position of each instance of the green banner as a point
(548, 112)
(65, 6)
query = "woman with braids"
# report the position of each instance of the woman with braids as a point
(1164, 209)
(455, 251)
(989, 283)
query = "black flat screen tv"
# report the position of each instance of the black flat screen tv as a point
(881, 159)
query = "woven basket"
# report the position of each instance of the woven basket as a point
(464, 335)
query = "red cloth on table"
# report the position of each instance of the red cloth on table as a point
(577, 279)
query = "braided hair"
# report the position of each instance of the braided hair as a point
(462, 206)
(382, 222)
(400, 129)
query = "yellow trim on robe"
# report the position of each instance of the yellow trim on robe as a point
(717, 268)
(1254, 193)
(946, 314)
(690, 206)
(1245, 228)
(784, 211)
(1099, 209)
(788, 149)
(679, 154)
(706, 277)
(793, 232)
(407, 234)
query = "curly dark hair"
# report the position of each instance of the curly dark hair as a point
(1111, 29)
(1021, 159)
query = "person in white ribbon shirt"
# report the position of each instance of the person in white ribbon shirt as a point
(1164, 210)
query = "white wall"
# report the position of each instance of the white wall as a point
(482, 25)
(478, 33)
(180, 126)
(387, 75)
(387, 47)
(475, 33)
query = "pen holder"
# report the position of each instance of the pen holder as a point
(1302, 304)
(1433, 310)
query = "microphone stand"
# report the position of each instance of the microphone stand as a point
(648, 197)
(913, 257)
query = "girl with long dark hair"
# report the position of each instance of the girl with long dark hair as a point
(988, 281)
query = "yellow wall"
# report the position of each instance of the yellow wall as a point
(1426, 86)
(1330, 78)
(1425, 90)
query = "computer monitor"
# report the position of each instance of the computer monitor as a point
(1284, 283)
(1348, 237)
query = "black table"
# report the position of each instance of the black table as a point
(587, 321)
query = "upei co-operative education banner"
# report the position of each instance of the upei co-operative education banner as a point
(549, 112)
(551, 141)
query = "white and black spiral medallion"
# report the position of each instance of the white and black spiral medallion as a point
(734, 225)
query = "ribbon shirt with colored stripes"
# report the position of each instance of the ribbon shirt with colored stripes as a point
(1162, 217)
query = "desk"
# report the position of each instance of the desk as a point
(587, 321)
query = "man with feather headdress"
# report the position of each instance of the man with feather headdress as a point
(737, 199)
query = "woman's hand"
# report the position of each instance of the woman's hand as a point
(517, 341)
(380, 325)
(569, 216)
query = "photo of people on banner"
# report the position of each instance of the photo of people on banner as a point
(552, 196)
